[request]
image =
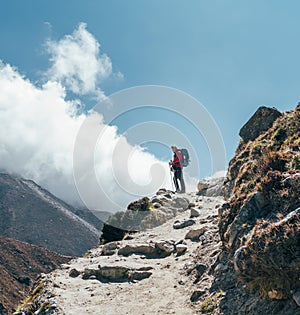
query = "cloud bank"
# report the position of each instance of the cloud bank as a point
(39, 126)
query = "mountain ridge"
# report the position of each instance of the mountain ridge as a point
(32, 214)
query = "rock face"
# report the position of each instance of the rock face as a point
(259, 224)
(20, 266)
(261, 121)
(31, 214)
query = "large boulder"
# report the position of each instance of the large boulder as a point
(261, 121)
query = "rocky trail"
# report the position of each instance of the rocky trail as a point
(159, 271)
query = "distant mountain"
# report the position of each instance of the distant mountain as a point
(31, 214)
(20, 266)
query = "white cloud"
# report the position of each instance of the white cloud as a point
(77, 62)
(39, 128)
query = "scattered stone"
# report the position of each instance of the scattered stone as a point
(202, 187)
(161, 191)
(296, 297)
(194, 213)
(142, 249)
(191, 205)
(202, 238)
(140, 275)
(195, 234)
(155, 199)
(110, 248)
(117, 273)
(181, 282)
(166, 248)
(156, 205)
(180, 249)
(180, 242)
(182, 203)
(183, 224)
(196, 295)
(74, 273)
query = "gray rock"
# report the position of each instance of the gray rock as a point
(156, 205)
(195, 234)
(248, 214)
(3, 310)
(110, 248)
(165, 247)
(200, 269)
(74, 273)
(141, 249)
(192, 205)
(180, 249)
(180, 242)
(117, 273)
(140, 275)
(180, 203)
(183, 224)
(202, 187)
(194, 213)
(220, 268)
(25, 280)
(196, 295)
(261, 121)
(296, 297)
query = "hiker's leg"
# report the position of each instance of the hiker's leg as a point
(175, 181)
(176, 178)
(182, 184)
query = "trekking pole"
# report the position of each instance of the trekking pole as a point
(172, 179)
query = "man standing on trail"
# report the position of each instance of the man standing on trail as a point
(177, 169)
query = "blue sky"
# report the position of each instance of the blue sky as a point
(232, 55)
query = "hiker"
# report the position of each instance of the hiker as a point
(177, 169)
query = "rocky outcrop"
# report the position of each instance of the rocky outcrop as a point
(143, 214)
(259, 223)
(261, 121)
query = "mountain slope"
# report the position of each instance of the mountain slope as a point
(21, 263)
(31, 214)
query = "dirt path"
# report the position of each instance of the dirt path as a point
(167, 290)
